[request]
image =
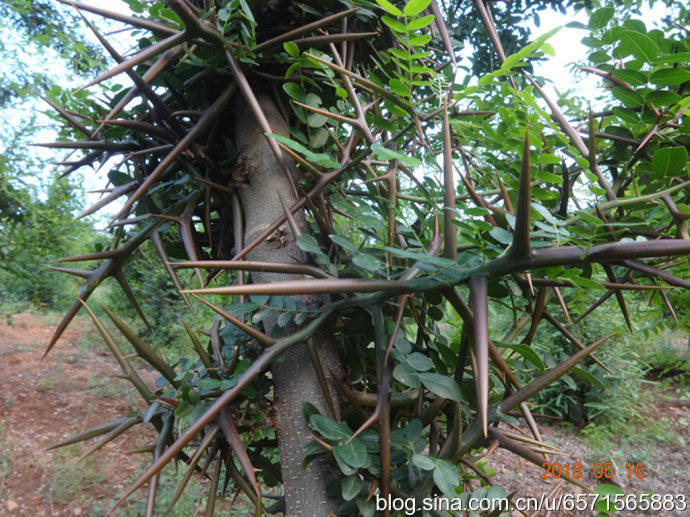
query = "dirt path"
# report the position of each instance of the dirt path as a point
(76, 387)
(42, 402)
(666, 463)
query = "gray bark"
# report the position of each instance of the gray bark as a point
(259, 178)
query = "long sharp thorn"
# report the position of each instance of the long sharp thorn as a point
(619, 295)
(124, 363)
(209, 115)
(89, 433)
(160, 249)
(539, 305)
(321, 377)
(656, 272)
(144, 55)
(235, 441)
(450, 244)
(101, 255)
(308, 286)
(667, 302)
(117, 192)
(130, 20)
(82, 273)
(306, 29)
(442, 29)
(478, 295)
(221, 402)
(521, 247)
(68, 317)
(504, 194)
(294, 228)
(571, 337)
(596, 304)
(253, 332)
(142, 349)
(193, 462)
(114, 433)
(561, 302)
(120, 277)
(565, 190)
(547, 378)
(65, 114)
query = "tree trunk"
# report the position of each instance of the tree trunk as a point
(259, 180)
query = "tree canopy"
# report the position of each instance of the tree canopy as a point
(381, 236)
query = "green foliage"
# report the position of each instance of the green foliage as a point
(40, 28)
(34, 231)
(432, 202)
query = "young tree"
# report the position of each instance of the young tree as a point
(374, 197)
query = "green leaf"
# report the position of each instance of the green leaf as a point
(308, 243)
(399, 54)
(586, 283)
(420, 23)
(343, 243)
(389, 8)
(315, 120)
(394, 24)
(626, 114)
(663, 97)
(400, 88)
(118, 178)
(550, 159)
(669, 161)
(526, 352)
(291, 48)
(639, 45)
(679, 57)
(588, 377)
(441, 385)
(632, 77)
(309, 409)
(322, 159)
(423, 462)
(446, 477)
(350, 487)
(383, 153)
(501, 235)
(601, 17)
(294, 90)
(631, 99)
(419, 362)
(670, 77)
(367, 507)
(606, 489)
(367, 262)
(610, 491)
(419, 41)
(209, 384)
(512, 60)
(414, 7)
(329, 429)
(354, 454)
(405, 374)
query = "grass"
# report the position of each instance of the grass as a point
(66, 479)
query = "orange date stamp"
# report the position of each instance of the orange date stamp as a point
(601, 470)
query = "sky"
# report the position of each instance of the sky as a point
(560, 68)
(569, 48)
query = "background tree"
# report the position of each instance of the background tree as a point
(330, 152)
(43, 49)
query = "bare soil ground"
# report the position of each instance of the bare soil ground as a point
(666, 462)
(44, 401)
(76, 387)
